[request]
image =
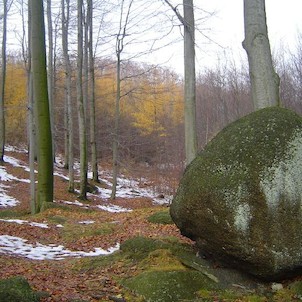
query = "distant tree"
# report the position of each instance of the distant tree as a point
(122, 32)
(69, 131)
(2, 80)
(80, 104)
(42, 117)
(264, 79)
(91, 90)
(120, 37)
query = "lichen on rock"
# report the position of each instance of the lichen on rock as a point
(241, 198)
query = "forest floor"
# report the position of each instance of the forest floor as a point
(48, 248)
(111, 250)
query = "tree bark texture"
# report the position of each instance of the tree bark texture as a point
(31, 123)
(115, 159)
(2, 82)
(69, 114)
(80, 104)
(118, 49)
(40, 92)
(93, 145)
(50, 70)
(264, 80)
(190, 81)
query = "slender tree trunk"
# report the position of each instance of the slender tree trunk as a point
(81, 109)
(85, 66)
(32, 144)
(31, 123)
(190, 81)
(115, 157)
(65, 24)
(2, 82)
(66, 132)
(264, 80)
(188, 21)
(118, 49)
(50, 69)
(93, 146)
(69, 105)
(40, 92)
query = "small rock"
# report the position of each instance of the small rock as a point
(276, 287)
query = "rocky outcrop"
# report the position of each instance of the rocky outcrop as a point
(241, 198)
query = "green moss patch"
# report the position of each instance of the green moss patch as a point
(162, 217)
(165, 269)
(140, 247)
(74, 231)
(17, 289)
(58, 219)
(228, 296)
(168, 286)
(162, 259)
(12, 214)
(293, 292)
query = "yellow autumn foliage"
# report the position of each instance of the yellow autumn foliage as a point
(105, 93)
(152, 102)
(15, 101)
(160, 106)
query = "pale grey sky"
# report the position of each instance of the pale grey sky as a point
(226, 28)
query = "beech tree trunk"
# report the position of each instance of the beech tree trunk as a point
(190, 81)
(264, 80)
(188, 22)
(40, 93)
(69, 116)
(50, 70)
(31, 123)
(118, 49)
(93, 145)
(80, 103)
(2, 81)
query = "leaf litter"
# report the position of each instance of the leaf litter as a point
(33, 246)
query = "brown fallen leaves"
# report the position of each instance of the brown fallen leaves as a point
(58, 277)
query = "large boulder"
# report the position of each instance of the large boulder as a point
(241, 198)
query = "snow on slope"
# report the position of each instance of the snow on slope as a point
(16, 246)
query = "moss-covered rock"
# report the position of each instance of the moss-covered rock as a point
(17, 289)
(168, 286)
(241, 198)
(161, 217)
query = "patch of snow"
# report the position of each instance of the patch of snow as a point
(59, 161)
(109, 208)
(9, 148)
(19, 221)
(129, 188)
(113, 208)
(16, 246)
(7, 201)
(13, 161)
(61, 175)
(87, 222)
(126, 188)
(75, 203)
(4, 176)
